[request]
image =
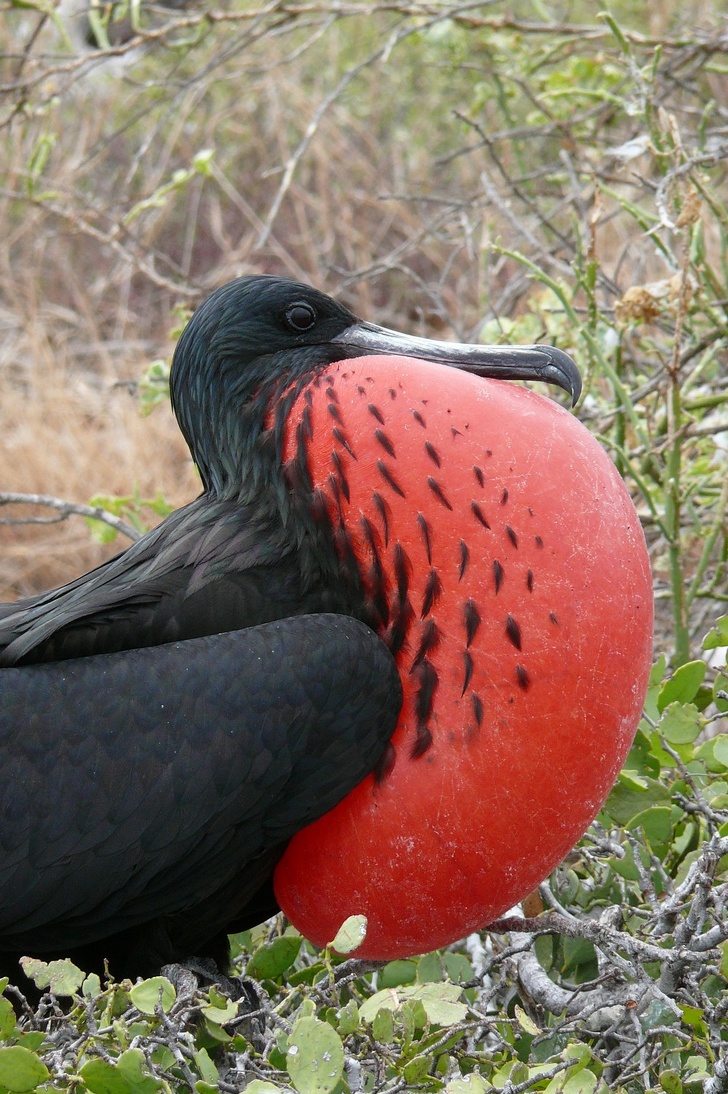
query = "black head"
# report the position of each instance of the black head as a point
(252, 327)
(246, 340)
(259, 335)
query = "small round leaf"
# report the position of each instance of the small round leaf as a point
(273, 960)
(20, 1069)
(149, 994)
(680, 723)
(468, 1084)
(350, 934)
(61, 977)
(315, 1057)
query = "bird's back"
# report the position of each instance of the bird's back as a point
(211, 566)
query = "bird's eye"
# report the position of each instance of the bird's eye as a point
(301, 316)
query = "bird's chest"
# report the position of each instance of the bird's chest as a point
(428, 491)
(506, 562)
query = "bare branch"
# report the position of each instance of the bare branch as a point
(64, 509)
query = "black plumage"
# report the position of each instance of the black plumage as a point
(147, 795)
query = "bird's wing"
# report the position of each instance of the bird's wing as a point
(142, 784)
(209, 567)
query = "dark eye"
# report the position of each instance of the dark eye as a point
(301, 316)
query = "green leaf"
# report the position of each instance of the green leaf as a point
(61, 977)
(458, 967)
(100, 531)
(127, 1076)
(720, 748)
(413, 1015)
(703, 698)
(259, 1087)
(670, 1082)
(657, 675)
(693, 1016)
(161, 1056)
(153, 386)
(714, 753)
(350, 934)
(32, 1041)
(416, 1070)
(656, 824)
(657, 672)
(307, 976)
(578, 1056)
(348, 1018)
(205, 1066)
(221, 1011)
(272, 960)
(397, 973)
(101, 1077)
(579, 956)
(133, 1067)
(315, 1057)
(514, 1072)
(469, 1084)
(526, 1024)
(45, 7)
(7, 1019)
(568, 884)
(408, 1020)
(640, 760)
(383, 1026)
(718, 636)
(217, 1033)
(429, 969)
(149, 994)
(625, 867)
(680, 723)
(388, 998)
(21, 1069)
(683, 685)
(440, 1002)
(584, 1082)
(91, 986)
(696, 1067)
(632, 795)
(543, 946)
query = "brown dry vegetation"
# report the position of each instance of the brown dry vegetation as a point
(393, 154)
(73, 433)
(82, 313)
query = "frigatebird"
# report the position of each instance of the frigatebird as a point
(170, 719)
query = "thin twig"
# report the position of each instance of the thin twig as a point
(65, 509)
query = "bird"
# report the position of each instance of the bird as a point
(174, 721)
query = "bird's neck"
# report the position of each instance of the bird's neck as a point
(249, 471)
(229, 440)
(252, 451)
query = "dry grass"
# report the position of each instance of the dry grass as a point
(70, 431)
(390, 155)
(89, 285)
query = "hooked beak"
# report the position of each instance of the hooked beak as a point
(545, 363)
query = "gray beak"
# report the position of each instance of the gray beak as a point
(545, 363)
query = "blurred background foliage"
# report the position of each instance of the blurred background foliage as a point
(516, 172)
